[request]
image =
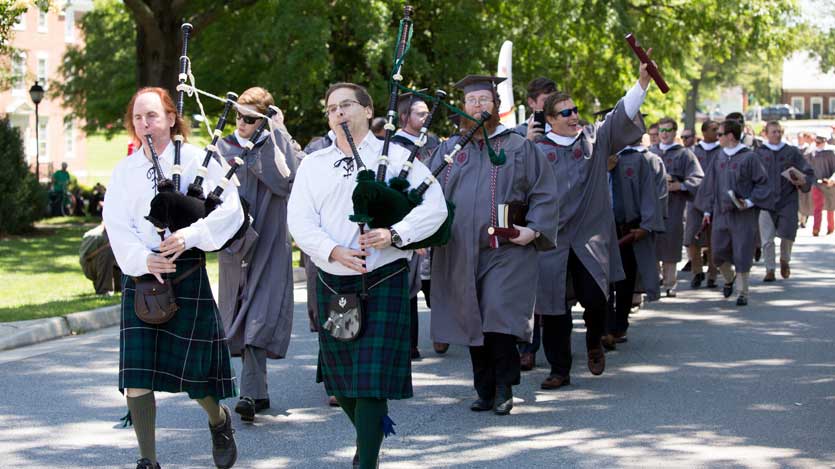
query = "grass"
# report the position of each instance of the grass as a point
(40, 275)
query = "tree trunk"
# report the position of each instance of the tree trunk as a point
(691, 104)
(157, 47)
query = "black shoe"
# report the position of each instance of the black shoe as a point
(480, 405)
(145, 463)
(742, 300)
(686, 267)
(414, 353)
(758, 253)
(711, 283)
(697, 280)
(504, 400)
(728, 289)
(262, 404)
(224, 449)
(246, 408)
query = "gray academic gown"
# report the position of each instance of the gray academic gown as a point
(823, 164)
(694, 216)
(475, 288)
(586, 223)
(733, 231)
(255, 296)
(682, 166)
(633, 182)
(783, 192)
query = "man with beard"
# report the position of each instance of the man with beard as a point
(587, 258)
(697, 236)
(684, 174)
(735, 188)
(481, 292)
(412, 112)
(776, 157)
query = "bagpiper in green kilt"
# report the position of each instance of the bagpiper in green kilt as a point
(187, 354)
(377, 364)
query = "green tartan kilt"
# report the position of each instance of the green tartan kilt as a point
(377, 364)
(187, 354)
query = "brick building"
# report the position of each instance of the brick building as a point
(806, 88)
(40, 39)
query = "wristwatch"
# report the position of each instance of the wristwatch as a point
(395, 238)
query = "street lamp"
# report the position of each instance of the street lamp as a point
(36, 93)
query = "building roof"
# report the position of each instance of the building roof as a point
(802, 73)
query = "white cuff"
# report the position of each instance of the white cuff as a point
(633, 99)
(404, 230)
(324, 251)
(748, 203)
(191, 235)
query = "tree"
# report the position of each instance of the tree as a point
(24, 199)
(9, 12)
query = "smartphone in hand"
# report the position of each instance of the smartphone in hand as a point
(539, 119)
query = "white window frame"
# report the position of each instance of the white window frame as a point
(812, 101)
(43, 139)
(831, 106)
(69, 26)
(799, 103)
(20, 24)
(19, 71)
(69, 138)
(43, 58)
(43, 21)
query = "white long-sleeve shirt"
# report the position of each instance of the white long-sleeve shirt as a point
(128, 201)
(320, 204)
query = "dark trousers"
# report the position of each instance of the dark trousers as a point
(426, 288)
(556, 331)
(620, 299)
(413, 323)
(496, 363)
(533, 347)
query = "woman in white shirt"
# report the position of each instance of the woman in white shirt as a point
(189, 352)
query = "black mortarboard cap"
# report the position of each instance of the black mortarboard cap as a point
(410, 97)
(472, 83)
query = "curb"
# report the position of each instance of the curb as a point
(31, 332)
(41, 330)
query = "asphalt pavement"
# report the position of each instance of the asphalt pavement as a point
(700, 383)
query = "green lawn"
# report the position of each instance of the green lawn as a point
(40, 275)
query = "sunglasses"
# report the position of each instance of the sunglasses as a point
(569, 112)
(687, 136)
(665, 129)
(247, 119)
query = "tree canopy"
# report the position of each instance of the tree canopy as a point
(295, 48)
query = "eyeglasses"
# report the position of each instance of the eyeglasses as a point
(343, 106)
(482, 101)
(422, 114)
(568, 112)
(687, 136)
(247, 119)
(666, 129)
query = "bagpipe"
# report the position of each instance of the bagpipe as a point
(381, 204)
(173, 210)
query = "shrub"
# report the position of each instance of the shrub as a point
(23, 199)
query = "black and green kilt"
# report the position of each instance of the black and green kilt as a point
(187, 354)
(377, 364)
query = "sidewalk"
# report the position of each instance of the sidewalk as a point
(22, 333)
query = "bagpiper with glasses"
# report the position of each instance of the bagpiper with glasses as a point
(684, 174)
(481, 294)
(587, 258)
(733, 192)
(258, 320)
(359, 276)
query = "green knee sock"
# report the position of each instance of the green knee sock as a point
(368, 420)
(143, 410)
(213, 410)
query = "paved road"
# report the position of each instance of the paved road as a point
(699, 384)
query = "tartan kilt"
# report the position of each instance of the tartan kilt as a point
(187, 354)
(377, 364)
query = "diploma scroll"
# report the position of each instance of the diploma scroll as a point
(644, 58)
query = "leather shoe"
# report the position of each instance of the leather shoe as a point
(769, 276)
(742, 300)
(480, 405)
(527, 361)
(146, 463)
(504, 400)
(728, 289)
(697, 280)
(440, 348)
(785, 271)
(555, 382)
(246, 409)
(608, 342)
(597, 361)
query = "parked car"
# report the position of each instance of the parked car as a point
(778, 112)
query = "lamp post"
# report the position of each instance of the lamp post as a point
(36, 93)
